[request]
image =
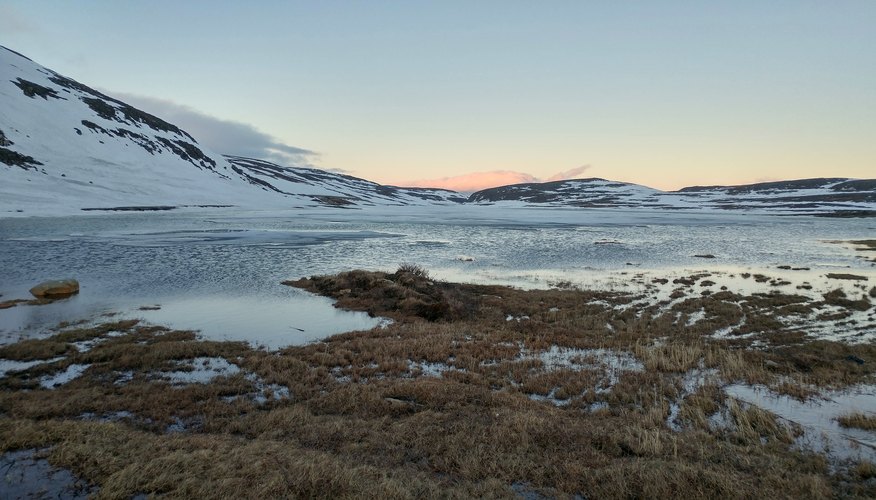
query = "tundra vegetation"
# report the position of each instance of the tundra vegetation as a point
(472, 390)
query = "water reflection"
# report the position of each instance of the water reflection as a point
(270, 322)
(220, 272)
(290, 317)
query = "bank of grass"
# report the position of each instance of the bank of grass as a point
(367, 416)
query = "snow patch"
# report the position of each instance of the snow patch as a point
(203, 371)
(72, 372)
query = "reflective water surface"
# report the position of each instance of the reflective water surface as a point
(219, 270)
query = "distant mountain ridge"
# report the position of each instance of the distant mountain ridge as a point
(65, 148)
(794, 196)
(331, 188)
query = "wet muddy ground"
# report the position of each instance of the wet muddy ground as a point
(473, 390)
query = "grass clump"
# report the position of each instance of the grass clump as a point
(858, 421)
(408, 292)
(839, 298)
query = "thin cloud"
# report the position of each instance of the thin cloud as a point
(477, 181)
(222, 136)
(568, 174)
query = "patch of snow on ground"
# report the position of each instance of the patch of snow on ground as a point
(696, 317)
(614, 363)
(266, 392)
(72, 372)
(430, 369)
(611, 363)
(203, 371)
(690, 383)
(550, 398)
(114, 416)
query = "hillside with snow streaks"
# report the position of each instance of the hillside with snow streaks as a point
(824, 194)
(593, 193)
(836, 196)
(333, 189)
(65, 147)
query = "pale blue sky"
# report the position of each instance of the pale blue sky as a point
(666, 94)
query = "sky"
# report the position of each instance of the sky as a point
(469, 93)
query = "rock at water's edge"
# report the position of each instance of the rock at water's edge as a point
(55, 289)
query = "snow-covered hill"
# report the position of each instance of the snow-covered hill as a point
(65, 147)
(575, 193)
(835, 196)
(334, 189)
(805, 195)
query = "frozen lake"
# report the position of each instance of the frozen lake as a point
(219, 270)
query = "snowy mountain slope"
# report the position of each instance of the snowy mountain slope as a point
(65, 147)
(592, 192)
(331, 188)
(797, 196)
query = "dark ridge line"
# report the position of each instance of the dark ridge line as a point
(16, 53)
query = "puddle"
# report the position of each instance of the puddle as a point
(25, 475)
(266, 322)
(290, 318)
(817, 417)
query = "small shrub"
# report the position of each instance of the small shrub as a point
(413, 270)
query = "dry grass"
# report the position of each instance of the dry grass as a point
(364, 419)
(839, 298)
(858, 421)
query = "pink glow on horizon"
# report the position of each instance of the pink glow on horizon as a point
(476, 181)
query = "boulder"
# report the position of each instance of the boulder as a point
(56, 289)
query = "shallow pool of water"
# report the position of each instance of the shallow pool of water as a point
(817, 417)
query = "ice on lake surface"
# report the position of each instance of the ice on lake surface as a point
(219, 271)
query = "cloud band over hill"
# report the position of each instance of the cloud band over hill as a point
(222, 136)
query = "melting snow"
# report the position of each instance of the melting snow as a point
(203, 371)
(72, 372)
